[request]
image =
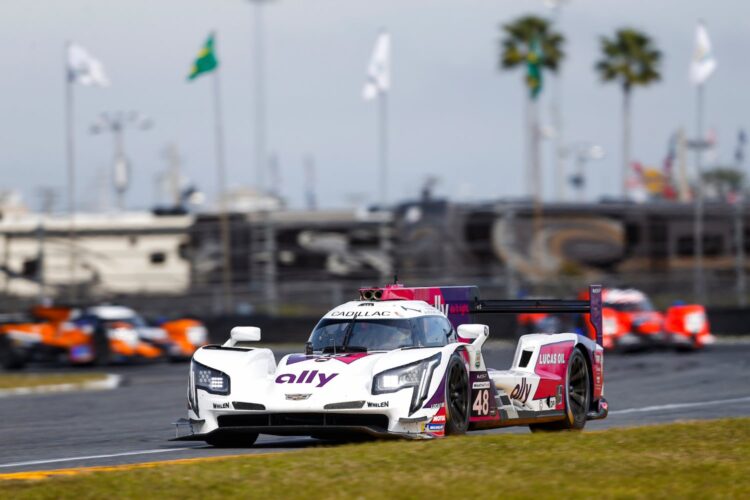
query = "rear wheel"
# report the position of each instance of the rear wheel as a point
(224, 440)
(577, 397)
(456, 396)
(10, 358)
(100, 346)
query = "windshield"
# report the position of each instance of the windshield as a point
(381, 334)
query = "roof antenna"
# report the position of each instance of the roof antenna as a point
(395, 278)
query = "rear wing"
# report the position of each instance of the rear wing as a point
(592, 307)
(461, 303)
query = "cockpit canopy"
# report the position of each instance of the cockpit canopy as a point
(359, 335)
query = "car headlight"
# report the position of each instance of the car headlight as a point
(208, 379)
(197, 335)
(695, 321)
(416, 375)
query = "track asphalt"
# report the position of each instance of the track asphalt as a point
(132, 424)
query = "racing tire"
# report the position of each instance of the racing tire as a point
(10, 358)
(224, 440)
(457, 397)
(577, 397)
(100, 346)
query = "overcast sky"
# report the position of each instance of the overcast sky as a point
(452, 113)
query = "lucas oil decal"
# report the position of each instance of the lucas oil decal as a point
(551, 358)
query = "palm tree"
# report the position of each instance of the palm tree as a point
(631, 59)
(530, 42)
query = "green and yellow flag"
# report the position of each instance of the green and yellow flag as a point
(534, 61)
(206, 60)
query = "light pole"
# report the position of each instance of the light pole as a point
(556, 7)
(260, 93)
(115, 123)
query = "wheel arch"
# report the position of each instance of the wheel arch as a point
(587, 355)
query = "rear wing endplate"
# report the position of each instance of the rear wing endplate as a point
(592, 306)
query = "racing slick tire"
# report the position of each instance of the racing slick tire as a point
(224, 440)
(10, 358)
(577, 397)
(100, 346)
(457, 398)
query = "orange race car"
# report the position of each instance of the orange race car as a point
(630, 322)
(134, 335)
(24, 338)
(95, 335)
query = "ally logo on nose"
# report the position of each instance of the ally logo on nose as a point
(306, 378)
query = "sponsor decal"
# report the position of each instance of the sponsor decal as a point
(521, 391)
(360, 314)
(481, 376)
(221, 406)
(450, 308)
(438, 419)
(551, 358)
(297, 397)
(435, 427)
(382, 404)
(343, 357)
(553, 373)
(313, 377)
(437, 405)
(480, 385)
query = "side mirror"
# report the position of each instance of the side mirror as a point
(242, 334)
(475, 332)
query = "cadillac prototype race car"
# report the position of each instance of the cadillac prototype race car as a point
(399, 362)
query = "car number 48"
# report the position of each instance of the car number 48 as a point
(482, 402)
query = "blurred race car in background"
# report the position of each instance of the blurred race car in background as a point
(25, 338)
(631, 322)
(94, 335)
(130, 334)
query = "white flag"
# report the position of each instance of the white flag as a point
(84, 68)
(379, 69)
(703, 64)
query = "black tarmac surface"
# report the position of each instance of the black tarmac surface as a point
(132, 423)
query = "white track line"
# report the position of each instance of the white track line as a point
(644, 409)
(94, 457)
(678, 406)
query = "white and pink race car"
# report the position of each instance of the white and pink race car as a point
(399, 362)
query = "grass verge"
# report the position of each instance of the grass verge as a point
(19, 380)
(692, 459)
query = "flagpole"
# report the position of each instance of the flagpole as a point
(383, 146)
(698, 284)
(226, 242)
(70, 154)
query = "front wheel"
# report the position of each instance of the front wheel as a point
(577, 397)
(456, 396)
(10, 358)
